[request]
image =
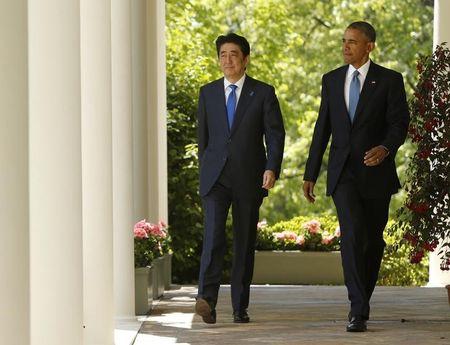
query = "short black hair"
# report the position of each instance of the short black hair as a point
(233, 38)
(367, 29)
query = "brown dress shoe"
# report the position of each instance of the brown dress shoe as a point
(204, 309)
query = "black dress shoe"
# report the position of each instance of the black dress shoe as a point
(357, 324)
(241, 317)
(205, 310)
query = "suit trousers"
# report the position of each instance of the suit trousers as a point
(362, 222)
(245, 214)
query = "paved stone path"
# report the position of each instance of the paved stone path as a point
(302, 315)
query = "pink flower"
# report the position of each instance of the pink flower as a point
(141, 224)
(313, 226)
(289, 235)
(150, 229)
(279, 236)
(140, 233)
(300, 240)
(162, 225)
(262, 224)
(327, 240)
(155, 230)
(337, 232)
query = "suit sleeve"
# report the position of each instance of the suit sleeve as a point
(202, 127)
(397, 116)
(321, 136)
(273, 132)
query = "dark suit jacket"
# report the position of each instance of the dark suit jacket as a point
(257, 119)
(381, 118)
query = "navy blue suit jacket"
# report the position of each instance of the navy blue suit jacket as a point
(254, 144)
(381, 118)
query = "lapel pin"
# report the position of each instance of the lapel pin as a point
(252, 93)
(373, 82)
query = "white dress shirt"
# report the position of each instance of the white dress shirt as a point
(362, 77)
(239, 84)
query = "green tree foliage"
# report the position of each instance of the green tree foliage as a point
(293, 43)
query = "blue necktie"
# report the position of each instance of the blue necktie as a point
(353, 95)
(231, 105)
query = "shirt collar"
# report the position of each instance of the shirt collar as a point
(363, 70)
(239, 83)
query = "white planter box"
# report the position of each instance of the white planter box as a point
(296, 267)
(167, 271)
(143, 286)
(158, 277)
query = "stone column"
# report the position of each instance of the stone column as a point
(156, 111)
(14, 210)
(139, 106)
(122, 142)
(96, 129)
(441, 34)
(56, 259)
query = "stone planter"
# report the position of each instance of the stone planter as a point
(143, 286)
(158, 277)
(167, 271)
(296, 267)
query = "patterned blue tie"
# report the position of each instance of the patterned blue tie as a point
(231, 104)
(353, 95)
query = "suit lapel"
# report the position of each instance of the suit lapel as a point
(340, 87)
(219, 99)
(370, 84)
(247, 95)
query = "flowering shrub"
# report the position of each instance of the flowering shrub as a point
(424, 219)
(299, 233)
(323, 234)
(150, 242)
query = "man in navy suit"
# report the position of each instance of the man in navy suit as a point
(240, 149)
(364, 109)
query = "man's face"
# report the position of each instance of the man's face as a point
(356, 47)
(232, 61)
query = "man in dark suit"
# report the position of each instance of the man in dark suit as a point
(237, 115)
(364, 109)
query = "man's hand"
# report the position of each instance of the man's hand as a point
(268, 179)
(375, 156)
(308, 191)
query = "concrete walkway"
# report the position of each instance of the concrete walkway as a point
(302, 315)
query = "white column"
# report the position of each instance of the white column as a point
(14, 211)
(156, 111)
(441, 34)
(95, 25)
(122, 143)
(139, 106)
(56, 276)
